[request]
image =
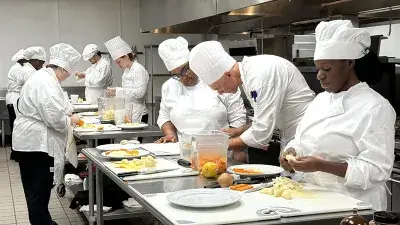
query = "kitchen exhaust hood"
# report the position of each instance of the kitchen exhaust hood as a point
(237, 16)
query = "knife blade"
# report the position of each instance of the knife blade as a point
(145, 172)
(262, 186)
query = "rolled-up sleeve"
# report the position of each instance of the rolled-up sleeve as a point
(267, 107)
(136, 83)
(375, 141)
(169, 96)
(235, 108)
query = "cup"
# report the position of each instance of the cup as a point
(74, 98)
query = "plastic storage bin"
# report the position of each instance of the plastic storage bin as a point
(210, 146)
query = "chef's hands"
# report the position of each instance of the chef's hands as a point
(111, 92)
(74, 119)
(307, 164)
(81, 75)
(285, 164)
(168, 138)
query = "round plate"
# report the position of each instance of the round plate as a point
(88, 114)
(141, 153)
(203, 198)
(131, 127)
(265, 170)
(110, 147)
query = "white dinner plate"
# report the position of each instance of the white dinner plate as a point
(203, 198)
(82, 103)
(88, 114)
(265, 170)
(131, 127)
(141, 153)
(110, 147)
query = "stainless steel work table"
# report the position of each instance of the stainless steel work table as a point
(151, 131)
(137, 189)
(84, 108)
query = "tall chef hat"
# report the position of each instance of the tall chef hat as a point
(210, 61)
(35, 52)
(338, 39)
(64, 56)
(117, 47)
(174, 52)
(89, 51)
(18, 56)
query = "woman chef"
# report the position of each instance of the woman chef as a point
(13, 89)
(98, 76)
(134, 80)
(40, 131)
(36, 57)
(188, 104)
(345, 141)
(275, 88)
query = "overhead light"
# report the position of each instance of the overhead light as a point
(380, 10)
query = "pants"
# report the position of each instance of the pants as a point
(145, 119)
(37, 181)
(268, 157)
(11, 114)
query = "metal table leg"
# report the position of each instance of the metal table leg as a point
(91, 143)
(99, 196)
(92, 219)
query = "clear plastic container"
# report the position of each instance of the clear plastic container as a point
(210, 146)
(108, 106)
(185, 145)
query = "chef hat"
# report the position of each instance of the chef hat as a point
(89, 51)
(35, 52)
(18, 56)
(117, 47)
(64, 56)
(338, 39)
(210, 61)
(174, 52)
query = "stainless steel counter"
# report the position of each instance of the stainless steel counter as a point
(137, 189)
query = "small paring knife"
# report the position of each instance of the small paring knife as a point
(145, 172)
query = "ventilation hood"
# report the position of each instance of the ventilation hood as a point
(237, 16)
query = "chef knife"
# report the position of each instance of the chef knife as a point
(145, 172)
(262, 186)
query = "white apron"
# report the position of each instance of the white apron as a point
(93, 93)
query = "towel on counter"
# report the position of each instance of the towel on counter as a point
(85, 208)
(71, 152)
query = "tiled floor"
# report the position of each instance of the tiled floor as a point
(13, 210)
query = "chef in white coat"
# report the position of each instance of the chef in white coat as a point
(98, 76)
(135, 78)
(275, 88)
(36, 57)
(188, 104)
(40, 131)
(345, 141)
(13, 89)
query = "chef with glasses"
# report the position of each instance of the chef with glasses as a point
(188, 105)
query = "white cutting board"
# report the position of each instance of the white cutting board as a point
(166, 149)
(160, 165)
(248, 209)
(313, 200)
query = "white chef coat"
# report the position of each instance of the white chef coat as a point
(357, 127)
(13, 89)
(27, 71)
(184, 102)
(282, 97)
(42, 125)
(134, 88)
(98, 78)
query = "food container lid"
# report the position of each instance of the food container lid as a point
(387, 217)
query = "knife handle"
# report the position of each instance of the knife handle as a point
(184, 163)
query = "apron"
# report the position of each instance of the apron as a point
(93, 93)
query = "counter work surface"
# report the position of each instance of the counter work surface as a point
(137, 190)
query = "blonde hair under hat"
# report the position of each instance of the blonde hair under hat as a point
(338, 39)
(210, 61)
(64, 56)
(174, 52)
(35, 52)
(117, 47)
(18, 56)
(89, 51)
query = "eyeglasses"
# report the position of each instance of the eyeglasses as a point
(184, 72)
